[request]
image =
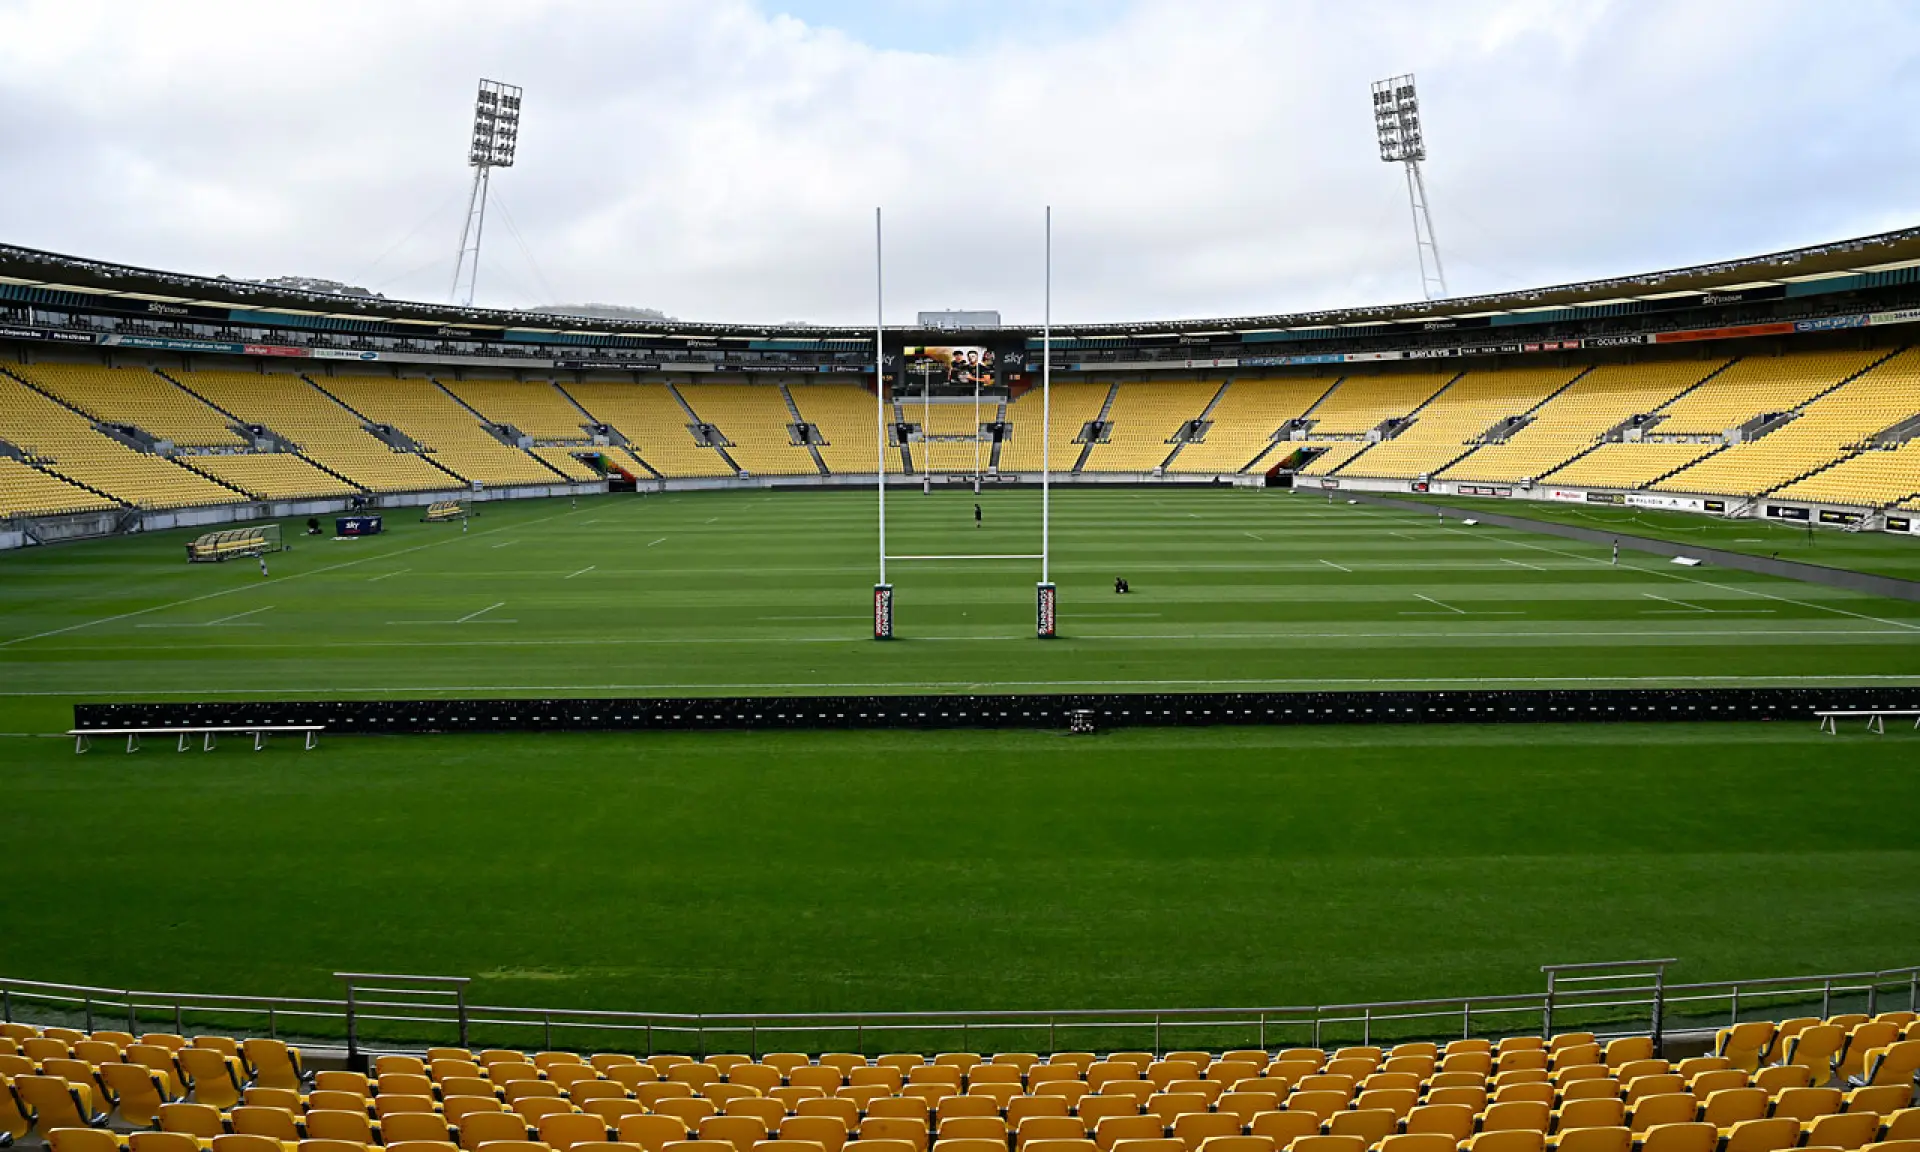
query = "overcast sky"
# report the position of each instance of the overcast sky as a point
(721, 159)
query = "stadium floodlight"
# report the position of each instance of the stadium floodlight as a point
(1396, 121)
(496, 135)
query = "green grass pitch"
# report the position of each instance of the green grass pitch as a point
(756, 872)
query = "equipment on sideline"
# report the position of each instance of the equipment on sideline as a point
(441, 511)
(223, 545)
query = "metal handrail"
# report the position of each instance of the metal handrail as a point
(435, 1005)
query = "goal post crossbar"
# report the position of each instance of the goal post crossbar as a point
(971, 556)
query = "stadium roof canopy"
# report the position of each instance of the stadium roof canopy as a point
(1878, 253)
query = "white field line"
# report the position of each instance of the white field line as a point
(222, 622)
(662, 540)
(1681, 603)
(1262, 539)
(506, 543)
(582, 571)
(482, 612)
(384, 575)
(817, 686)
(1725, 587)
(1522, 564)
(1691, 635)
(244, 587)
(1342, 567)
(1437, 604)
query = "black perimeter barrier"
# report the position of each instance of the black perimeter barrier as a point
(1044, 711)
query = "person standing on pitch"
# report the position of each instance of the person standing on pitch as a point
(976, 515)
(263, 564)
(1616, 553)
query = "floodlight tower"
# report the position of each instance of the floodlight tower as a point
(1396, 119)
(496, 130)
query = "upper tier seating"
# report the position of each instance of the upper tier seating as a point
(536, 407)
(1765, 1088)
(1465, 409)
(1243, 422)
(1577, 418)
(140, 397)
(437, 422)
(67, 444)
(1360, 403)
(1073, 404)
(654, 423)
(1870, 403)
(1758, 384)
(27, 491)
(1145, 417)
(755, 420)
(321, 429)
(847, 419)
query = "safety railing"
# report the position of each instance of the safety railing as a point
(393, 1012)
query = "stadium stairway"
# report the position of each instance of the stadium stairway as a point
(1671, 401)
(238, 422)
(1414, 414)
(1309, 411)
(1809, 400)
(906, 452)
(720, 449)
(1167, 464)
(490, 425)
(793, 410)
(1106, 407)
(425, 456)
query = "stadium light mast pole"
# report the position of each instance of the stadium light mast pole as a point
(496, 133)
(1396, 121)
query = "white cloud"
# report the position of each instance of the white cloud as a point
(721, 163)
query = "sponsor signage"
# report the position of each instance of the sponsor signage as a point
(1551, 346)
(1481, 490)
(1329, 482)
(1605, 498)
(169, 344)
(8, 332)
(1899, 524)
(1044, 611)
(1616, 341)
(1713, 505)
(1567, 495)
(605, 366)
(1735, 333)
(1783, 512)
(274, 350)
(1368, 357)
(1836, 516)
(1902, 316)
(883, 611)
(342, 354)
(1419, 486)
(1491, 349)
(1671, 503)
(1829, 323)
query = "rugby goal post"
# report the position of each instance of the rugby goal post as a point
(1046, 595)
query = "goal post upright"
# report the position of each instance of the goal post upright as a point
(1046, 595)
(882, 591)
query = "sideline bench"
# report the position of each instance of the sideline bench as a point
(1876, 718)
(210, 734)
